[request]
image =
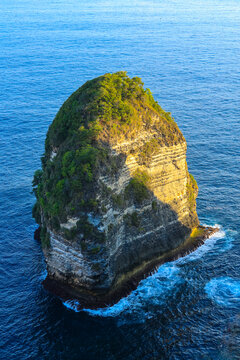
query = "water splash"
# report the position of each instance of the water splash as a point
(207, 247)
(224, 291)
(156, 289)
(72, 305)
(227, 242)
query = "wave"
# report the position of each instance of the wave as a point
(224, 291)
(207, 247)
(72, 305)
(156, 289)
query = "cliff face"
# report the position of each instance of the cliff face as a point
(115, 191)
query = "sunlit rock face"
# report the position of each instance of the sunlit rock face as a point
(114, 192)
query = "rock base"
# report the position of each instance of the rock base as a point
(128, 282)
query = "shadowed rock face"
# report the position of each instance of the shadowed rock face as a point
(136, 200)
(134, 231)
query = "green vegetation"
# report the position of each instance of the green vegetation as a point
(111, 102)
(70, 233)
(36, 212)
(193, 182)
(138, 187)
(132, 219)
(103, 110)
(135, 220)
(103, 209)
(95, 250)
(83, 246)
(89, 231)
(148, 150)
(118, 200)
(45, 237)
(192, 190)
(154, 205)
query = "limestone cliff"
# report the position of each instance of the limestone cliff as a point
(114, 191)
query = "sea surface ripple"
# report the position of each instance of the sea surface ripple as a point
(188, 54)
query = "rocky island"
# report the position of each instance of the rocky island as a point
(114, 196)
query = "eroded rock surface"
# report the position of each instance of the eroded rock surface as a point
(114, 192)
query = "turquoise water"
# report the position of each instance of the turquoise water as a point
(188, 54)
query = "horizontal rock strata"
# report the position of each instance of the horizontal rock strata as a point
(114, 194)
(127, 283)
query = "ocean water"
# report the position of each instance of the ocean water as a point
(188, 53)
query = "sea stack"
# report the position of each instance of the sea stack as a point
(114, 196)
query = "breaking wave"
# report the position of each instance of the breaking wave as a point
(156, 289)
(208, 246)
(72, 305)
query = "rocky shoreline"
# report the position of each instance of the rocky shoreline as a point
(129, 282)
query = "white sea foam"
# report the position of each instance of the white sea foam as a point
(224, 291)
(227, 242)
(205, 248)
(72, 305)
(156, 289)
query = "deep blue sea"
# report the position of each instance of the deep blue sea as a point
(188, 53)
